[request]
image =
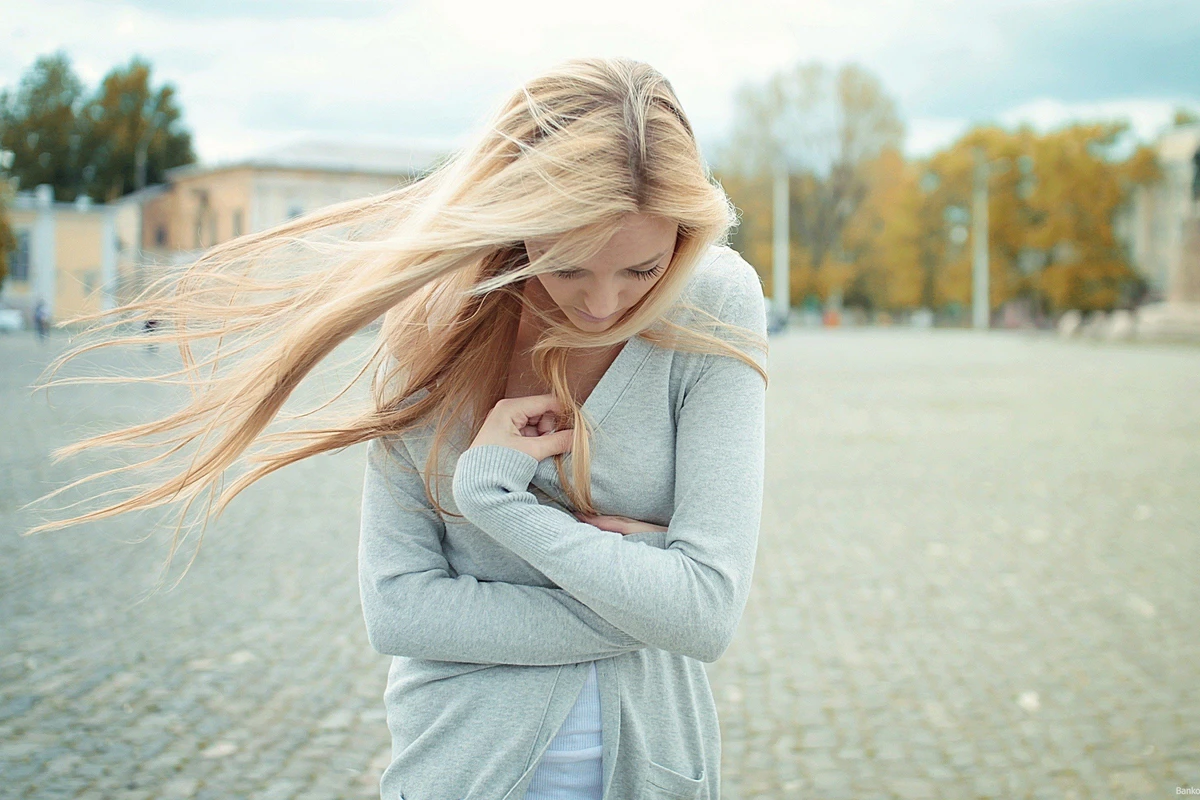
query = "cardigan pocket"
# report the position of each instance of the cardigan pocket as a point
(667, 783)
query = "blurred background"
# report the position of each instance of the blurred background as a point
(877, 132)
(978, 230)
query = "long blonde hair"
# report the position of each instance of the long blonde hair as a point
(442, 261)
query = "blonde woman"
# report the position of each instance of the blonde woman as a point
(567, 346)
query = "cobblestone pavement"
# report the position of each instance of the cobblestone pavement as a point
(977, 579)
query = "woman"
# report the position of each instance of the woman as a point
(563, 340)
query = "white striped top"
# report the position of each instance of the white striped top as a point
(571, 769)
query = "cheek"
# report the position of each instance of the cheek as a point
(555, 290)
(642, 289)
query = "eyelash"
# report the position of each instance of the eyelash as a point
(644, 275)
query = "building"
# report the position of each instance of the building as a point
(66, 254)
(1164, 236)
(84, 258)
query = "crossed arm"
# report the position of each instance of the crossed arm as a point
(414, 605)
(616, 595)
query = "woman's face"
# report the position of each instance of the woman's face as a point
(597, 292)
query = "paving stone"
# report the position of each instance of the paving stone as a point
(975, 580)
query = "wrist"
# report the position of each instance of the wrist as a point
(487, 472)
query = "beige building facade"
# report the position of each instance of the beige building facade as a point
(66, 255)
(83, 258)
(1161, 213)
(207, 205)
(1165, 237)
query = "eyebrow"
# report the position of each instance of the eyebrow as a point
(635, 266)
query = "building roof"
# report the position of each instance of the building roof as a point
(323, 156)
(32, 200)
(142, 195)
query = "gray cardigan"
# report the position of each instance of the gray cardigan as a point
(492, 619)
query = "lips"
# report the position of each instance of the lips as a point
(590, 318)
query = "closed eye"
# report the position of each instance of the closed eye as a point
(645, 274)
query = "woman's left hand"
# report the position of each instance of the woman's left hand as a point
(618, 524)
(529, 424)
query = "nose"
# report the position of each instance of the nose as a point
(601, 304)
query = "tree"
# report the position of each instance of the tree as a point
(8, 241)
(885, 239)
(39, 123)
(135, 132)
(827, 127)
(1052, 202)
(93, 145)
(1185, 116)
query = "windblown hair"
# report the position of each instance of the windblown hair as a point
(442, 261)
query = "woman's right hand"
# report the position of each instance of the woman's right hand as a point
(618, 524)
(526, 424)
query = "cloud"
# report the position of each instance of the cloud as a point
(253, 75)
(262, 9)
(1071, 51)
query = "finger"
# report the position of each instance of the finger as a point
(551, 444)
(547, 424)
(522, 409)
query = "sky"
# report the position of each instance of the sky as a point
(255, 74)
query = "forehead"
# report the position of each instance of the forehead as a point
(639, 238)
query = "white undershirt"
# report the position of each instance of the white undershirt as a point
(571, 768)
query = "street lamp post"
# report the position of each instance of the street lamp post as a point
(141, 154)
(781, 270)
(980, 302)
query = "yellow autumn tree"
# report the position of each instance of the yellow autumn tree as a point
(1081, 189)
(884, 239)
(1052, 202)
(825, 126)
(905, 239)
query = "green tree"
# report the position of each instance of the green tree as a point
(39, 123)
(126, 134)
(135, 132)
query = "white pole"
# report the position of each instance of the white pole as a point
(43, 254)
(781, 273)
(108, 257)
(980, 305)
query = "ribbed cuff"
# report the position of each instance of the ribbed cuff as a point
(482, 471)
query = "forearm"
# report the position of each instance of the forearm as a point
(461, 619)
(660, 597)
(415, 605)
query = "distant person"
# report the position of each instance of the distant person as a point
(41, 319)
(149, 327)
(560, 286)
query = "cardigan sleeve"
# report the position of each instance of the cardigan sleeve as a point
(688, 597)
(415, 606)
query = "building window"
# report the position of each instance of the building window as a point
(160, 236)
(18, 259)
(237, 222)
